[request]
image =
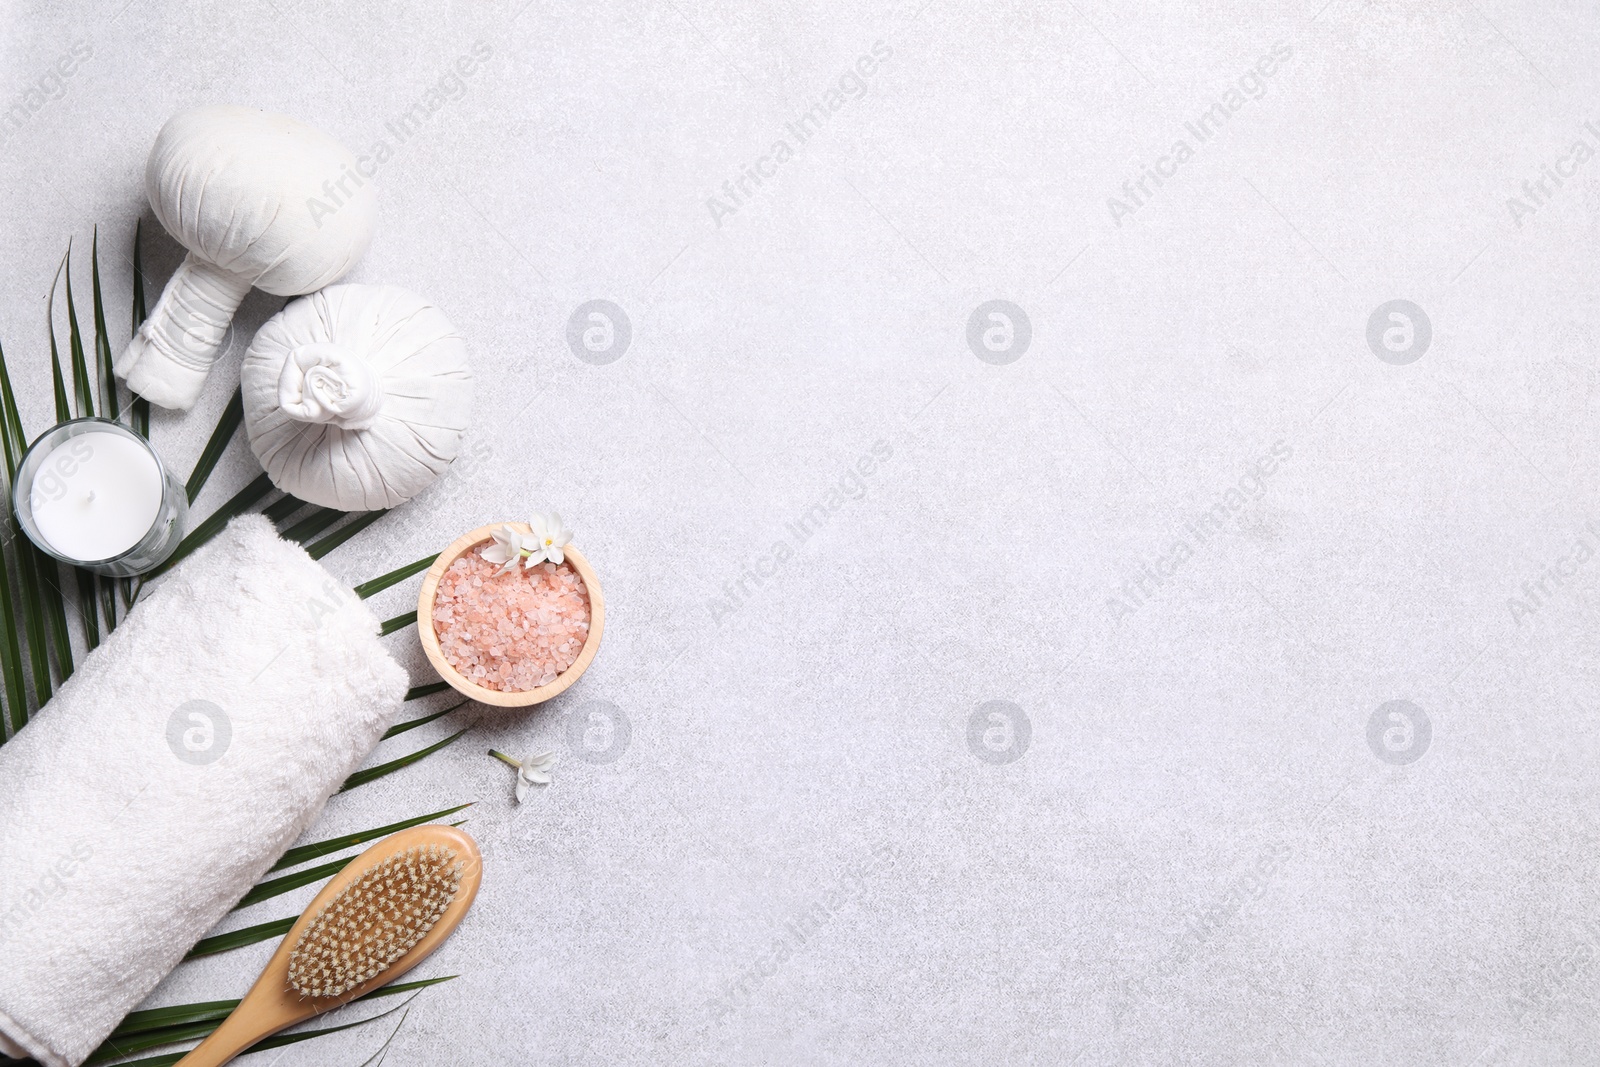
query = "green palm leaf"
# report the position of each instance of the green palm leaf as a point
(11, 435)
(344, 533)
(47, 579)
(372, 774)
(108, 400)
(240, 503)
(154, 1027)
(10, 646)
(116, 1048)
(247, 935)
(89, 594)
(227, 426)
(63, 409)
(261, 1046)
(141, 406)
(379, 584)
(397, 730)
(109, 408)
(33, 628)
(399, 622)
(283, 509)
(38, 610)
(140, 413)
(80, 367)
(377, 1058)
(149, 1019)
(42, 608)
(276, 887)
(214, 1011)
(41, 577)
(11, 660)
(88, 613)
(305, 853)
(313, 524)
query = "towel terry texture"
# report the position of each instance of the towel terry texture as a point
(170, 772)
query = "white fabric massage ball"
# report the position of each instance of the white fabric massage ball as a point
(356, 397)
(260, 201)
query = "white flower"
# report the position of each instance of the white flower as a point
(535, 770)
(508, 547)
(547, 540)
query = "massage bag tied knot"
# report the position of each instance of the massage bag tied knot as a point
(356, 397)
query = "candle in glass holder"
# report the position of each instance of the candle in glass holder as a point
(94, 494)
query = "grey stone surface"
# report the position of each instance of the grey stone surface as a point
(1195, 828)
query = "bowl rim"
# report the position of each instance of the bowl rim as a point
(495, 697)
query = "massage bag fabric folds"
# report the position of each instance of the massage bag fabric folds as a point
(128, 826)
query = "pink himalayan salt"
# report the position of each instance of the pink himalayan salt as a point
(510, 632)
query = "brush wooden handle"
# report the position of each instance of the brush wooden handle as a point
(271, 1005)
(238, 1032)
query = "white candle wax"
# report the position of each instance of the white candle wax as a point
(96, 495)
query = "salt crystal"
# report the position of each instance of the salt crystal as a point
(510, 632)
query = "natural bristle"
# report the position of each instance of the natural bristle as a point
(374, 921)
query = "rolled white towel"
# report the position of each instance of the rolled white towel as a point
(181, 759)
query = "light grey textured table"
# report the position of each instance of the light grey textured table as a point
(834, 523)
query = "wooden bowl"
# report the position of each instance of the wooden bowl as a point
(521, 698)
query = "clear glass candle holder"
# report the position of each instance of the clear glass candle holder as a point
(68, 478)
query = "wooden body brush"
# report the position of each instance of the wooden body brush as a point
(374, 921)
